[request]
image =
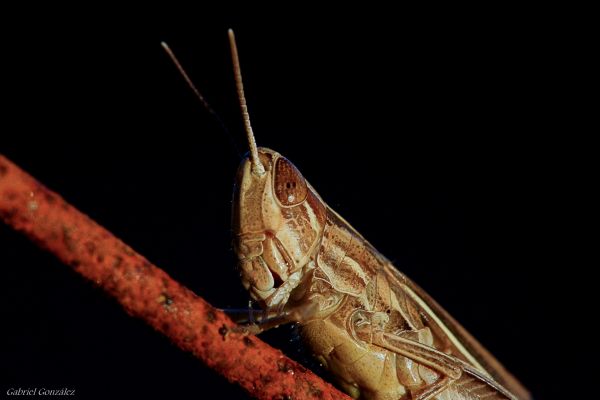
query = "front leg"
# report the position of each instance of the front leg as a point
(298, 313)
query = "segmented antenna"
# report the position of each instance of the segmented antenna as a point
(257, 166)
(192, 86)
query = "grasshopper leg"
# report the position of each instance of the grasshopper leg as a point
(272, 319)
(448, 368)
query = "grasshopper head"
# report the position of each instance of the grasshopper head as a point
(277, 220)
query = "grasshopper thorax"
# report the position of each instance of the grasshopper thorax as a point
(278, 220)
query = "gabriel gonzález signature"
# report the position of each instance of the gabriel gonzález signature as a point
(40, 392)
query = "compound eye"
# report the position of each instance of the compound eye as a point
(290, 186)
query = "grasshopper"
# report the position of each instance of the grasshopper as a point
(380, 334)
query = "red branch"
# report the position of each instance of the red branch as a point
(147, 292)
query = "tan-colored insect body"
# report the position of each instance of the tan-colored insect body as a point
(381, 335)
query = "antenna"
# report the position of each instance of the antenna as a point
(257, 166)
(207, 106)
(190, 83)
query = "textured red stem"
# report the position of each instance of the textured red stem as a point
(145, 291)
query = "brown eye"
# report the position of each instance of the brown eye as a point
(290, 186)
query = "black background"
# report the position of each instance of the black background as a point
(429, 131)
